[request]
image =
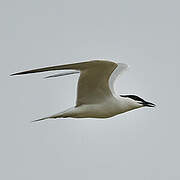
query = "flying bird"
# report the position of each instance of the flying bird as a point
(96, 97)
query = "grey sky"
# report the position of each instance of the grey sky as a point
(142, 144)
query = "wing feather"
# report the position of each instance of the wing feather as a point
(93, 86)
(75, 66)
(93, 83)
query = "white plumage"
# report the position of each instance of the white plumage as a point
(96, 97)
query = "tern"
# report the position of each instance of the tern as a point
(96, 97)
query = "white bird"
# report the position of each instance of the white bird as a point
(96, 97)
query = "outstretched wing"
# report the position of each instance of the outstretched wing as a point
(95, 83)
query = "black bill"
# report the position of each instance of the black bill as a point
(148, 104)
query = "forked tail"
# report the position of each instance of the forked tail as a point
(64, 114)
(40, 119)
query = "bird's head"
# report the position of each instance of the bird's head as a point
(137, 102)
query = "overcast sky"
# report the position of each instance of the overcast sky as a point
(139, 145)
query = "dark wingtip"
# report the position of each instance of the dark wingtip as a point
(21, 73)
(13, 74)
(37, 120)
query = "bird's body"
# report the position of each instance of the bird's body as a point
(96, 97)
(110, 107)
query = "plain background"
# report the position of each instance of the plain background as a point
(142, 144)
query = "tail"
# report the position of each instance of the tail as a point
(40, 119)
(63, 114)
(49, 117)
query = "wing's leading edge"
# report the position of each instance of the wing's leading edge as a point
(95, 81)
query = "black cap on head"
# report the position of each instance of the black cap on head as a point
(140, 100)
